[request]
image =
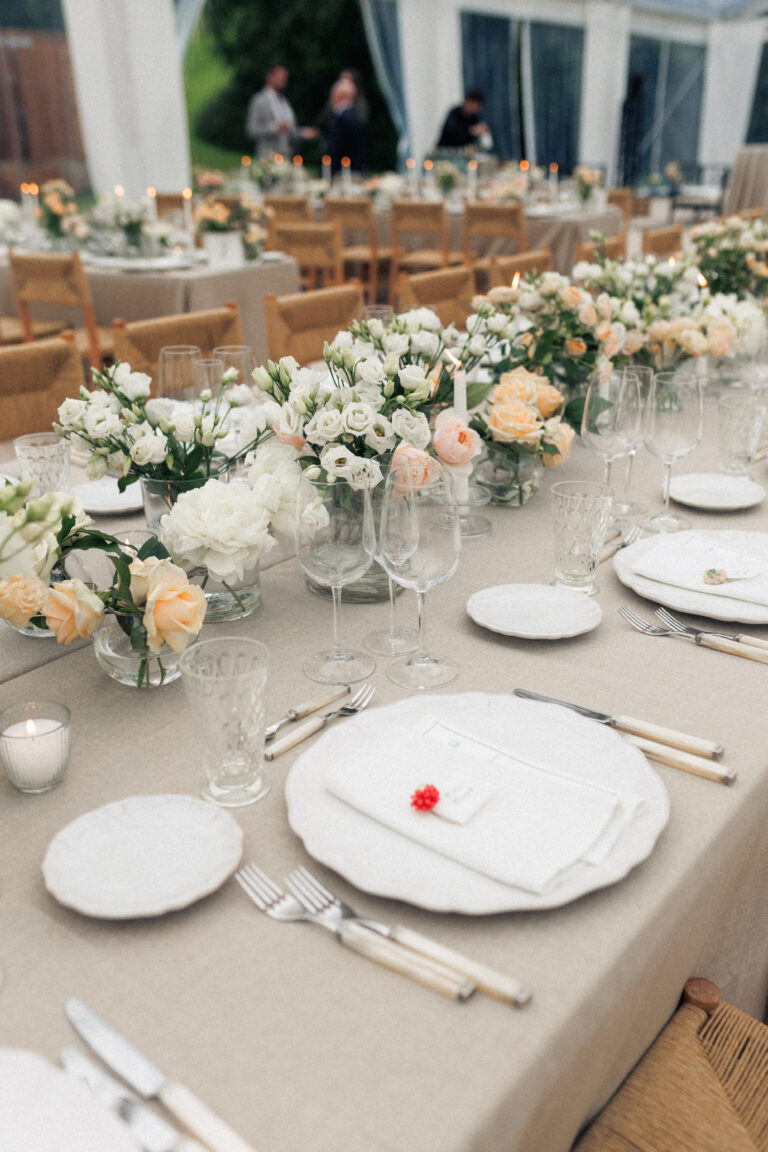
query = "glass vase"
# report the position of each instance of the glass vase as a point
(126, 665)
(231, 599)
(159, 496)
(509, 476)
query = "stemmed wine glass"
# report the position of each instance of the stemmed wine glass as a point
(334, 545)
(420, 548)
(674, 428)
(175, 371)
(612, 418)
(627, 506)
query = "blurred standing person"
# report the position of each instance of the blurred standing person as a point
(361, 106)
(347, 135)
(271, 122)
(463, 127)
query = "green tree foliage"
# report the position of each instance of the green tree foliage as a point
(315, 42)
(32, 15)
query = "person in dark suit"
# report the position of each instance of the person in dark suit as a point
(463, 127)
(347, 135)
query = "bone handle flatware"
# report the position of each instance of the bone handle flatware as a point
(487, 979)
(733, 647)
(457, 986)
(336, 692)
(696, 745)
(673, 757)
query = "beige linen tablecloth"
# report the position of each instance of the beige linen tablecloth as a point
(302, 1045)
(748, 184)
(141, 295)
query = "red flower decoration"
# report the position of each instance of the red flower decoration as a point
(425, 798)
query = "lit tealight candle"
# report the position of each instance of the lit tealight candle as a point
(553, 180)
(152, 198)
(472, 179)
(326, 169)
(34, 745)
(410, 167)
(279, 159)
(186, 198)
(119, 191)
(346, 174)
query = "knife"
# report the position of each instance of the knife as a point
(150, 1131)
(693, 744)
(150, 1083)
(335, 692)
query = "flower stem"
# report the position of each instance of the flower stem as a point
(232, 592)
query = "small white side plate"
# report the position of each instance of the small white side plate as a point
(534, 611)
(142, 856)
(103, 498)
(715, 491)
(271, 257)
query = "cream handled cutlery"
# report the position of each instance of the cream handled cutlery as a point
(150, 1083)
(686, 630)
(703, 639)
(317, 898)
(334, 693)
(360, 700)
(270, 899)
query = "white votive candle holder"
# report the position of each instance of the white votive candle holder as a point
(34, 744)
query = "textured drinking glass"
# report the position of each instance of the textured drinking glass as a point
(175, 371)
(741, 422)
(44, 457)
(225, 681)
(581, 511)
(34, 744)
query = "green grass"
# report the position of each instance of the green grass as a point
(205, 76)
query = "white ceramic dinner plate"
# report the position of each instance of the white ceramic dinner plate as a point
(142, 263)
(42, 1109)
(103, 497)
(715, 491)
(377, 859)
(685, 600)
(271, 257)
(142, 856)
(534, 611)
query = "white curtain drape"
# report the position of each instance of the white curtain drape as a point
(733, 59)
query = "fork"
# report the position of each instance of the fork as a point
(270, 899)
(324, 903)
(678, 626)
(615, 546)
(703, 639)
(360, 700)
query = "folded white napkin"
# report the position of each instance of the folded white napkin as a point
(683, 561)
(531, 826)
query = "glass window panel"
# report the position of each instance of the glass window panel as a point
(757, 132)
(557, 52)
(490, 62)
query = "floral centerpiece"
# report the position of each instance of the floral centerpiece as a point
(523, 425)
(156, 610)
(10, 220)
(447, 176)
(58, 207)
(270, 172)
(209, 180)
(587, 180)
(387, 186)
(733, 255)
(673, 174)
(246, 217)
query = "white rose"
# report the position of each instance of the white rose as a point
(357, 418)
(412, 427)
(133, 385)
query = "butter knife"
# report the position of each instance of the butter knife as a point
(150, 1083)
(335, 692)
(693, 744)
(150, 1131)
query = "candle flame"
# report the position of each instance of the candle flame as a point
(278, 158)
(554, 167)
(428, 165)
(186, 193)
(410, 162)
(24, 189)
(31, 730)
(472, 165)
(703, 282)
(326, 161)
(515, 279)
(346, 162)
(246, 160)
(671, 261)
(524, 165)
(298, 161)
(119, 190)
(151, 192)
(33, 189)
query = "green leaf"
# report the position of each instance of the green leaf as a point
(477, 392)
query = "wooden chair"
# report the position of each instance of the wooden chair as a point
(504, 268)
(299, 324)
(54, 279)
(317, 250)
(34, 380)
(12, 329)
(414, 221)
(702, 1086)
(497, 226)
(624, 200)
(359, 238)
(663, 241)
(610, 248)
(287, 210)
(756, 213)
(448, 292)
(168, 203)
(139, 342)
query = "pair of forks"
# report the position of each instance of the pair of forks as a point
(399, 948)
(359, 701)
(750, 647)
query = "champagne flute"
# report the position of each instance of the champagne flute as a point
(674, 429)
(334, 545)
(420, 548)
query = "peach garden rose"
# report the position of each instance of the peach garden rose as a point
(514, 422)
(72, 611)
(174, 610)
(21, 598)
(454, 442)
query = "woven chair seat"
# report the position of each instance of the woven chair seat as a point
(35, 378)
(12, 329)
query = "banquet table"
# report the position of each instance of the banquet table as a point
(301, 1044)
(748, 183)
(139, 295)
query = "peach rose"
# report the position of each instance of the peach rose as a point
(21, 598)
(514, 423)
(587, 314)
(503, 294)
(72, 610)
(548, 399)
(562, 439)
(174, 611)
(575, 347)
(571, 297)
(519, 384)
(154, 567)
(412, 467)
(454, 442)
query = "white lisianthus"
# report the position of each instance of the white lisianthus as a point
(274, 475)
(342, 339)
(101, 423)
(147, 445)
(370, 394)
(96, 467)
(72, 414)
(357, 418)
(159, 409)
(221, 527)
(415, 384)
(380, 437)
(421, 318)
(207, 430)
(229, 377)
(324, 427)
(104, 400)
(262, 380)
(315, 515)
(425, 343)
(183, 427)
(497, 323)
(477, 345)
(364, 473)
(369, 371)
(391, 363)
(238, 395)
(337, 460)
(396, 343)
(119, 463)
(375, 327)
(412, 427)
(133, 385)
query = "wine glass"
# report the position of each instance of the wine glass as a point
(239, 356)
(394, 640)
(175, 371)
(420, 548)
(673, 430)
(611, 423)
(629, 507)
(334, 545)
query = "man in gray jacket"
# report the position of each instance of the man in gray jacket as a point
(271, 122)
